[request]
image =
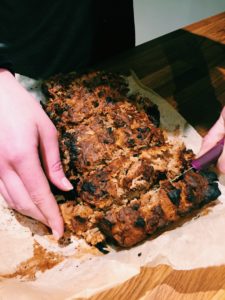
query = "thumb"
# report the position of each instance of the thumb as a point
(50, 155)
(215, 134)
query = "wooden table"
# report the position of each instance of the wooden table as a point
(187, 68)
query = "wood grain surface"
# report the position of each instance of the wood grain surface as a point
(162, 282)
(187, 68)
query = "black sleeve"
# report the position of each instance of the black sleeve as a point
(6, 63)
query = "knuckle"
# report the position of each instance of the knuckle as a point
(206, 138)
(57, 167)
(222, 170)
(39, 198)
(17, 155)
(207, 141)
(52, 131)
(223, 113)
(221, 166)
(21, 208)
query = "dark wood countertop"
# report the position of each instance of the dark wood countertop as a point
(185, 67)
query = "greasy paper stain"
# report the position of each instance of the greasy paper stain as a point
(41, 260)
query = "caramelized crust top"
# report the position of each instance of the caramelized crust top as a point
(116, 156)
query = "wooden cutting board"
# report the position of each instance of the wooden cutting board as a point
(164, 283)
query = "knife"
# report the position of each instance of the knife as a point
(209, 157)
(205, 160)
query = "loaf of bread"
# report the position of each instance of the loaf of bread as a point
(119, 161)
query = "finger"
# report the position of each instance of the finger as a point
(32, 175)
(215, 134)
(5, 194)
(20, 200)
(221, 162)
(51, 157)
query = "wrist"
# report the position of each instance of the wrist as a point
(8, 82)
(5, 74)
(4, 70)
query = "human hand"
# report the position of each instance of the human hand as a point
(215, 134)
(27, 132)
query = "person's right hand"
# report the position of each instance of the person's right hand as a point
(25, 133)
(215, 134)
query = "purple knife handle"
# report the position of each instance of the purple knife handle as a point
(209, 157)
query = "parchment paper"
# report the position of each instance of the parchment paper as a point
(198, 242)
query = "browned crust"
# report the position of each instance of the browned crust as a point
(115, 155)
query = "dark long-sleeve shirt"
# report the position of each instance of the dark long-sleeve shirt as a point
(41, 38)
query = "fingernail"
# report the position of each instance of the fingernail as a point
(56, 234)
(67, 184)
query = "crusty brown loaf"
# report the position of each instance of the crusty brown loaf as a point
(115, 155)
